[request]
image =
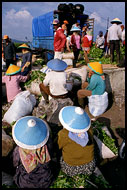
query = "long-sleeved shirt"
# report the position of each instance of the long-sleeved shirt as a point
(26, 57)
(59, 40)
(100, 41)
(73, 153)
(114, 33)
(96, 84)
(9, 51)
(12, 85)
(56, 82)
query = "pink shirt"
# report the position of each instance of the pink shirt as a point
(12, 85)
(77, 40)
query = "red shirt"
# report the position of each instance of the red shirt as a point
(59, 40)
(86, 42)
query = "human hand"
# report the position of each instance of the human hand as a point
(22, 69)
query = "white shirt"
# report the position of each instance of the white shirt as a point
(100, 41)
(57, 82)
(114, 33)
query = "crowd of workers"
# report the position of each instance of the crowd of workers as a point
(32, 157)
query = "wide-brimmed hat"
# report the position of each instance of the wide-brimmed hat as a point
(74, 119)
(75, 29)
(116, 20)
(57, 65)
(55, 22)
(5, 37)
(96, 67)
(24, 46)
(30, 132)
(13, 69)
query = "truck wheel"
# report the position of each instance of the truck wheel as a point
(79, 8)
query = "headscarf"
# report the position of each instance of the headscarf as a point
(31, 158)
(81, 138)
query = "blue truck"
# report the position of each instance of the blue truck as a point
(42, 28)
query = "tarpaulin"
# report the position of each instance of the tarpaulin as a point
(42, 25)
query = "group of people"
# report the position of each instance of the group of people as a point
(112, 40)
(32, 157)
(71, 41)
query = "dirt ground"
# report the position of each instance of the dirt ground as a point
(114, 119)
(114, 169)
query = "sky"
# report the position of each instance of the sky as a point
(17, 16)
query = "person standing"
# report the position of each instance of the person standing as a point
(59, 40)
(75, 43)
(84, 30)
(86, 44)
(26, 59)
(123, 35)
(100, 41)
(113, 38)
(9, 52)
(106, 48)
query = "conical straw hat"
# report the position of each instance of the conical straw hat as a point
(13, 69)
(96, 67)
(116, 20)
(24, 46)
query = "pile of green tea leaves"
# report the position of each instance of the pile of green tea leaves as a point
(102, 135)
(35, 75)
(39, 62)
(79, 181)
(96, 54)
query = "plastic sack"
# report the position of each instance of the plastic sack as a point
(22, 105)
(98, 104)
(81, 72)
(34, 88)
(105, 152)
(69, 55)
(68, 61)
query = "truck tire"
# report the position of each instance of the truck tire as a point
(79, 9)
(71, 7)
(63, 7)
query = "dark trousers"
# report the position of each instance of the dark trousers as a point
(115, 45)
(8, 62)
(76, 54)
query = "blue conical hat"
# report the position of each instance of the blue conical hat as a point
(30, 132)
(74, 119)
(57, 65)
(75, 28)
